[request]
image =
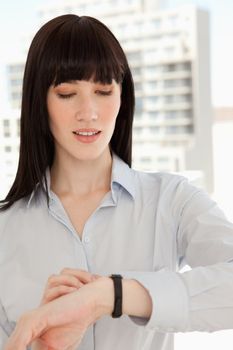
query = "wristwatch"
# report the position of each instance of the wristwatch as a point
(117, 281)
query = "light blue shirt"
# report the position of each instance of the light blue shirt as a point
(146, 227)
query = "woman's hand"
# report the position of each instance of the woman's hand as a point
(68, 281)
(62, 323)
(59, 324)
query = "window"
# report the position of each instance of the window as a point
(169, 98)
(138, 86)
(16, 68)
(184, 66)
(6, 123)
(152, 70)
(136, 71)
(139, 105)
(186, 82)
(16, 82)
(7, 149)
(169, 67)
(183, 98)
(170, 83)
(18, 127)
(152, 100)
(151, 85)
(6, 127)
(153, 114)
(171, 115)
(133, 56)
(137, 130)
(154, 129)
(145, 159)
(179, 129)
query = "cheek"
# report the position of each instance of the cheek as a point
(57, 118)
(57, 111)
(112, 109)
(56, 124)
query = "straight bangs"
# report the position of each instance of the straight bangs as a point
(83, 52)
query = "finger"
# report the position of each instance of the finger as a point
(29, 327)
(56, 292)
(82, 275)
(65, 279)
(95, 277)
(18, 339)
(13, 343)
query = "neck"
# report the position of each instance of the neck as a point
(81, 177)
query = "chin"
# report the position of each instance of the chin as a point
(91, 155)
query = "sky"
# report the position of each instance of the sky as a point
(19, 18)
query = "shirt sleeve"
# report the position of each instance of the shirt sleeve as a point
(6, 327)
(200, 299)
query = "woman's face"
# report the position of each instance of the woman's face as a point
(82, 116)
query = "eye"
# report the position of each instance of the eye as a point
(104, 93)
(65, 96)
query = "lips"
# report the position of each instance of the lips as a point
(86, 132)
(87, 135)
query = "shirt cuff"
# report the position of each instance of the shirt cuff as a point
(169, 300)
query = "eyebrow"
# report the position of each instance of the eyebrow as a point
(77, 82)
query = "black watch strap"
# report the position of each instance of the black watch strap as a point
(117, 280)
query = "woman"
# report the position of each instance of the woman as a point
(77, 213)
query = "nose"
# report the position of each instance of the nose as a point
(86, 110)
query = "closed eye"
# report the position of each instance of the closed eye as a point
(104, 93)
(65, 95)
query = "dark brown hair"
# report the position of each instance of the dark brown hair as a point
(67, 48)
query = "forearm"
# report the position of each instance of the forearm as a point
(136, 299)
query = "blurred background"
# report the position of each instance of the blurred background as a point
(181, 55)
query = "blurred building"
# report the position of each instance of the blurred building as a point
(168, 51)
(15, 71)
(9, 148)
(223, 170)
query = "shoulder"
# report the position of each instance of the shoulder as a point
(170, 190)
(14, 214)
(160, 180)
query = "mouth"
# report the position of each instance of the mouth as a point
(86, 135)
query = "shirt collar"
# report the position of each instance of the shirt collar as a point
(122, 175)
(38, 190)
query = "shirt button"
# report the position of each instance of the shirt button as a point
(86, 239)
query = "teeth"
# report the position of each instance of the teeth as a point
(86, 133)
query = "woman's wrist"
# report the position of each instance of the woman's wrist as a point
(136, 300)
(104, 296)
